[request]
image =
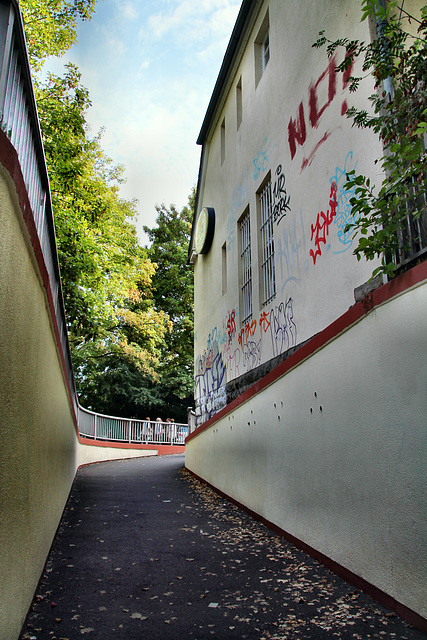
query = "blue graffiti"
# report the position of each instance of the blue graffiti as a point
(238, 201)
(262, 158)
(290, 258)
(209, 384)
(344, 215)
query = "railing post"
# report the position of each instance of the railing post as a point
(94, 430)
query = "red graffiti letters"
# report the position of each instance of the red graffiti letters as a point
(247, 331)
(297, 131)
(231, 325)
(320, 95)
(315, 112)
(264, 322)
(320, 230)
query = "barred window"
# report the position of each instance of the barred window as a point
(268, 280)
(246, 266)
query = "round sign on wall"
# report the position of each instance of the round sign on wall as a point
(204, 230)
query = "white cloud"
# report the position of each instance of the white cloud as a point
(193, 21)
(150, 68)
(129, 10)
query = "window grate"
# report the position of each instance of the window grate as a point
(267, 239)
(412, 236)
(245, 256)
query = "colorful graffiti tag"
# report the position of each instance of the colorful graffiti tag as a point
(320, 230)
(344, 214)
(224, 359)
(210, 380)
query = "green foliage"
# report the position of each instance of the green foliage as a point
(130, 358)
(173, 292)
(106, 274)
(397, 60)
(50, 26)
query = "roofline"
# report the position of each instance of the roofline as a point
(245, 10)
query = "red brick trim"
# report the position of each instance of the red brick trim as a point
(162, 449)
(388, 291)
(352, 578)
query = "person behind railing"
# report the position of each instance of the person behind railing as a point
(172, 427)
(158, 429)
(146, 428)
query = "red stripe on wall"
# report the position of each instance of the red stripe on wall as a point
(162, 449)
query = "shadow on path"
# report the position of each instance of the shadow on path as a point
(146, 551)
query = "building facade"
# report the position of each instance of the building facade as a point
(294, 396)
(276, 149)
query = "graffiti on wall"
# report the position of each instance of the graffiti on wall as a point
(283, 329)
(344, 215)
(231, 354)
(278, 323)
(321, 94)
(320, 230)
(210, 380)
(280, 196)
(231, 325)
(238, 201)
(292, 252)
(262, 158)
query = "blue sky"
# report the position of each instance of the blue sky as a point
(150, 67)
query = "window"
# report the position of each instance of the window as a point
(268, 272)
(239, 102)
(222, 141)
(246, 267)
(265, 50)
(224, 268)
(262, 48)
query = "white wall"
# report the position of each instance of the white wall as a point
(349, 478)
(311, 292)
(90, 453)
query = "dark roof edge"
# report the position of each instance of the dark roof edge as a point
(244, 12)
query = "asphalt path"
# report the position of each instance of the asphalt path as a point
(146, 551)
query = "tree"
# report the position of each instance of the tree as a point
(51, 26)
(106, 274)
(397, 60)
(173, 293)
(117, 330)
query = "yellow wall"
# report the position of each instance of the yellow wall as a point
(37, 433)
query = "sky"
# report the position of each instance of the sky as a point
(150, 67)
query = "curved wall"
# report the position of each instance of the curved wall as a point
(37, 430)
(332, 452)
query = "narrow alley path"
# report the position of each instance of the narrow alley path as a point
(145, 551)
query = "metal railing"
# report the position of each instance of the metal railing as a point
(412, 236)
(110, 428)
(20, 123)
